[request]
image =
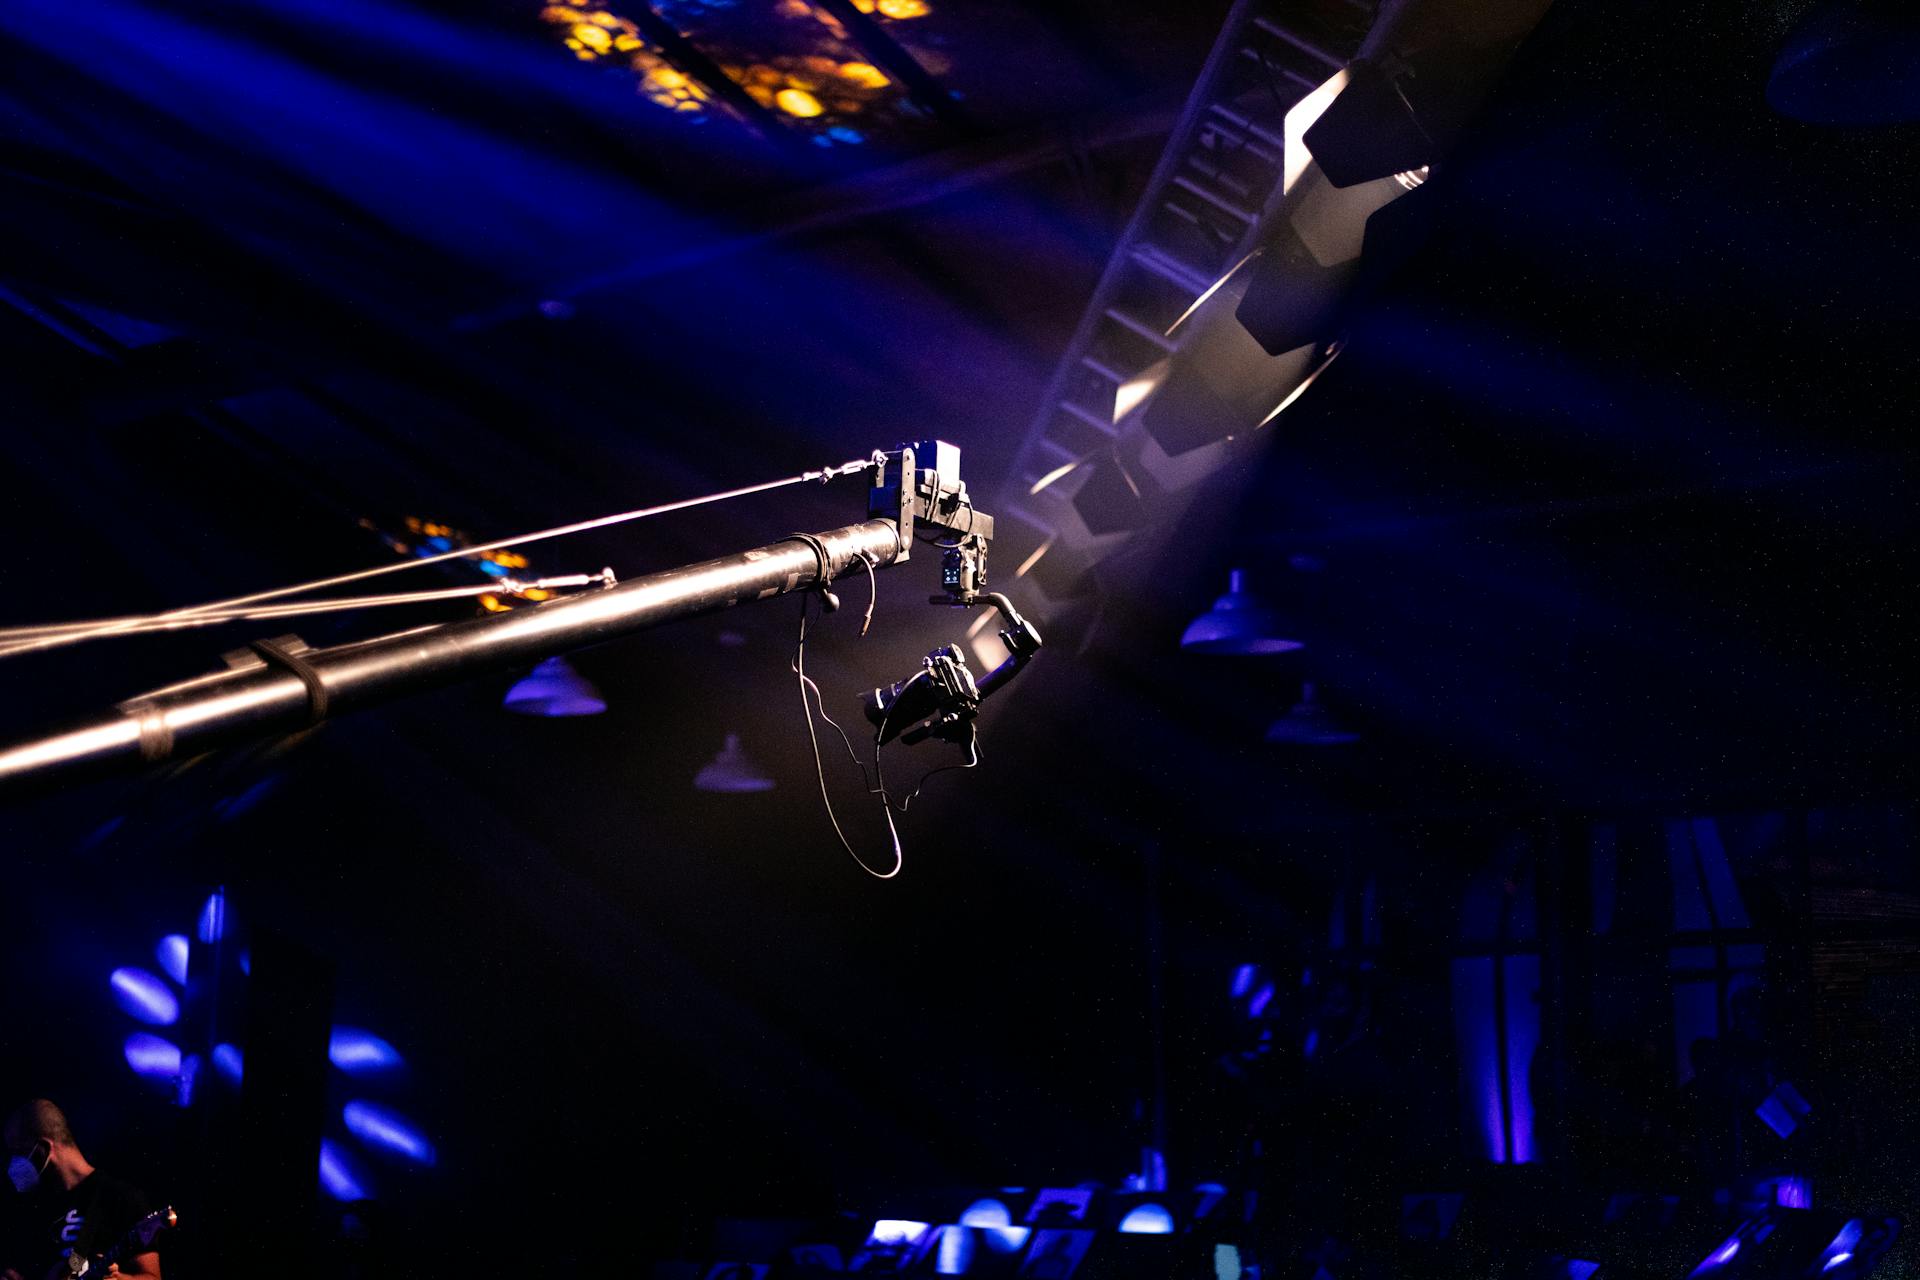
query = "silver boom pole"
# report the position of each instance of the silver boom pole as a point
(289, 689)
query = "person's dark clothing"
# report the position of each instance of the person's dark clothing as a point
(89, 1220)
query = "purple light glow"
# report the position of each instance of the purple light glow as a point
(378, 1126)
(955, 1253)
(213, 917)
(172, 952)
(1242, 981)
(1147, 1220)
(1006, 1239)
(146, 996)
(337, 1176)
(986, 1213)
(1793, 1193)
(1261, 999)
(151, 1057)
(1841, 1250)
(229, 1063)
(359, 1052)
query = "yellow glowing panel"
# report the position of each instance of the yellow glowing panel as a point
(903, 9)
(864, 74)
(798, 102)
(592, 37)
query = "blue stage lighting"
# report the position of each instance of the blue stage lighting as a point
(1005, 1239)
(337, 1176)
(1841, 1250)
(228, 1062)
(955, 1252)
(146, 996)
(378, 1126)
(171, 952)
(1718, 1258)
(987, 1213)
(1147, 1220)
(151, 1057)
(213, 917)
(358, 1052)
(555, 689)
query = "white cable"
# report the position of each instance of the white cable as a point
(505, 586)
(73, 632)
(820, 768)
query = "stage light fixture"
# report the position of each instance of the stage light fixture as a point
(1239, 624)
(229, 1062)
(337, 1174)
(1115, 496)
(555, 689)
(731, 772)
(1308, 723)
(1223, 381)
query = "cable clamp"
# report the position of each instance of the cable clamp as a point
(287, 654)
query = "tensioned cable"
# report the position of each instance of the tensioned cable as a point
(73, 632)
(305, 608)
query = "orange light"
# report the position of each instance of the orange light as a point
(537, 593)
(798, 102)
(492, 604)
(903, 9)
(864, 74)
(592, 37)
(1058, 473)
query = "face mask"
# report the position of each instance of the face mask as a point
(24, 1173)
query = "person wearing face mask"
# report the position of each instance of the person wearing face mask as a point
(68, 1206)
